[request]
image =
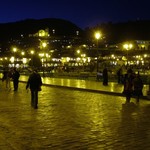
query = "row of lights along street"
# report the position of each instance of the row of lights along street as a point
(82, 59)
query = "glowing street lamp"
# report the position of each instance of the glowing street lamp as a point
(78, 51)
(127, 47)
(14, 50)
(98, 35)
(44, 44)
(24, 60)
(22, 53)
(12, 59)
(32, 53)
(42, 60)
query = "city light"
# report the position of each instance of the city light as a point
(97, 36)
(127, 47)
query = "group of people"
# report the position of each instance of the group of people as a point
(34, 83)
(11, 74)
(133, 85)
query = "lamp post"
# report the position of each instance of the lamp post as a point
(127, 47)
(46, 56)
(32, 53)
(14, 50)
(22, 54)
(97, 36)
(44, 48)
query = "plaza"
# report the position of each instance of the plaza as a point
(72, 118)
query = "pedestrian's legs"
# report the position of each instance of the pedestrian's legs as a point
(15, 82)
(16, 85)
(8, 82)
(118, 79)
(32, 98)
(137, 99)
(128, 97)
(36, 99)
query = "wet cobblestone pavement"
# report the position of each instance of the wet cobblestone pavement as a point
(113, 88)
(72, 120)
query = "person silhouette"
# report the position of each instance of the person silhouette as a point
(34, 83)
(105, 76)
(15, 77)
(137, 87)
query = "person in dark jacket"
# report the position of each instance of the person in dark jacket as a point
(15, 77)
(128, 85)
(105, 76)
(119, 75)
(34, 83)
(7, 75)
(138, 86)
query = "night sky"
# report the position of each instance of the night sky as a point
(83, 13)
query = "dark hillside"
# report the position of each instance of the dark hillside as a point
(31, 26)
(124, 31)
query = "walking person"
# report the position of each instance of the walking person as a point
(8, 78)
(137, 87)
(34, 83)
(15, 77)
(7, 75)
(128, 85)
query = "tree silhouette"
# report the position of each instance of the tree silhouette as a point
(35, 62)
